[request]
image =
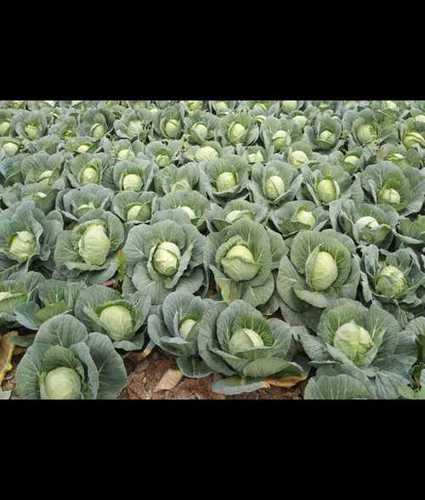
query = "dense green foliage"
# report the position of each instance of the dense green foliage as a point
(267, 242)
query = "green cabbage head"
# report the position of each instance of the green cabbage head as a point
(243, 340)
(131, 182)
(225, 181)
(62, 383)
(94, 245)
(275, 186)
(22, 245)
(239, 263)
(321, 270)
(391, 282)
(353, 340)
(118, 321)
(166, 258)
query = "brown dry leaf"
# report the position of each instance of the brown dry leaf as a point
(286, 382)
(169, 380)
(6, 353)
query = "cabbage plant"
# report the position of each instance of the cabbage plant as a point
(394, 279)
(279, 133)
(325, 133)
(168, 122)
(224, 179)
(163, 153)
(135, 175)
(367, 344)
(365, 223)
(241, 258)
(122, 318)
(66, 362)
(89, 251)
(248, 349)
(134, 124)
(74, 203)
(325, 183)
(29, 125)
(320, 268)
(172, 179)
(274, 184)
(403, 189)
(135, 208)
(299, 215)
(87, 168)
(18, 289)
(27, 238)
(164, 257)
(218, 218)
(52, 297)
(177, 325)
(238, 128)
(193, 203)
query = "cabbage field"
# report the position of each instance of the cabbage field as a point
(212, 249)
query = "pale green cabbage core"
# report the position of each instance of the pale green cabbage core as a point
(226, 181)
(322, 272)
(181, 185)
(62, 383)
(395, 157)
(289, 106)
(172, 128)
(166, 258)
(4, 127)
(236, 215)
(366, 133)
(131, 182)
(118, 321)
(327, 137)
(239, 263)
(125, 154)
(85, 207)
(22, 245)
(306, 217)
(94, 245)
(221, 107)
(190, 212)
(352, 160)
(353, 340)
(200, 130)
(237, 133)
(32, 131)
(328, 190)
(256, 157)
(245, 339)
(281, 139)
(134, 128)
(390, 196)
(367, 222)
(413, 139)
(140, 212)
(10, 148)
(297, 158)
(45, 176)
(186, 327)
(390, 105)
(420, 118)
(194, 105)
(206, 153)
(391, 282)
(89, 175)
(83, 148)
(275, 186)
(163, 160)
(98, 130)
